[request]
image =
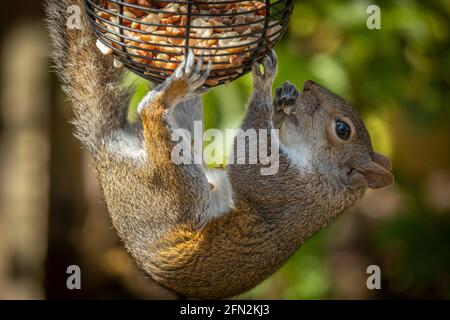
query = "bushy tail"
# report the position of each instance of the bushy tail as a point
(89, 79)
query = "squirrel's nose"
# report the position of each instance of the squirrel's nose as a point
(309, 85)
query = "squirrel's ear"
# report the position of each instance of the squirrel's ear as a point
(376, 175)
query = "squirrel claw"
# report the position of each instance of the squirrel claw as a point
(270, 64)
(286, 95)
(191, 71)
(185, 83)
(187, 80)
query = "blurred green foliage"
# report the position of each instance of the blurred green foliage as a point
(398, 79)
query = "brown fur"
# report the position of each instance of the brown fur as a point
(159, 209)
(89, 80)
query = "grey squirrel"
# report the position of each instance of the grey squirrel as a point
(165, 213)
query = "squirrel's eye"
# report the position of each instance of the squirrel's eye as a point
(343, 130)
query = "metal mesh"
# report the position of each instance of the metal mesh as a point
(151, 38)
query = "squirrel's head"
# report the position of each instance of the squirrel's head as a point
(327, 134)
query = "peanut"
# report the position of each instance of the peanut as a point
(152, 19)
(104, 49)
(226, 41)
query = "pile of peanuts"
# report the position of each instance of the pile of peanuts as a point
(226, 42)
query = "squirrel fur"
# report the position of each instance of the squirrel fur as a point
(166, 214)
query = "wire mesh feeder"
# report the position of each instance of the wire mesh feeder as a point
(151, 38)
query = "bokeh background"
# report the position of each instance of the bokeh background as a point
(52, 216)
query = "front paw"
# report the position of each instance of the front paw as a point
(187, 81)
(285, 97)
(270, 64)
